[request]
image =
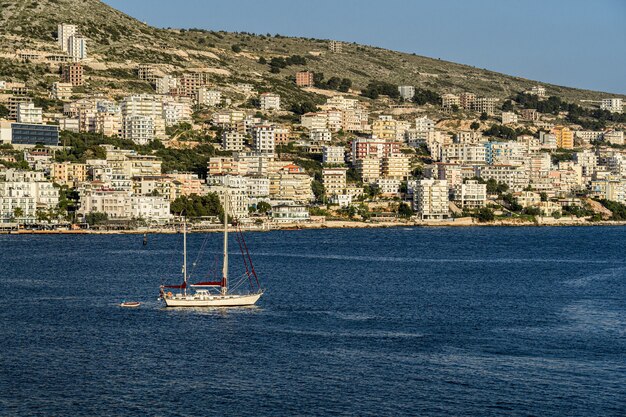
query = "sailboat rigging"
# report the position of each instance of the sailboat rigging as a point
(199, 294)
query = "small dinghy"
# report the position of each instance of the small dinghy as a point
(130, 304)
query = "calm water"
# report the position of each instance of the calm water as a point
(482, 321)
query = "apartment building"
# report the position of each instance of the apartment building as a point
(282, 135)
(270, 101)
(485, 105)
(396, 167)
(335, 47)
(424, 124)
(73, 74)
(516, 177)
(67, 173)
(209, 98)
(305, 79)
(334, 181)
(368, 168)
(333, 155)
(28, 113)
(450, 101)
(289, 184)
(538, 91)
(61, 91)
(232, 140)
(464, 152)
(64, 31)
(430, 199)
(529, 115)
(363, 147)
(77, 47)
(470, 195)
(466, 100)
(509, 118)
(564, 137)
(166, 84)
(264, 139)
(614, 105)
(407, 92)
(139, 129)
(320, 135)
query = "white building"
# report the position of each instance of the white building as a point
(139, 129)
(63, 35)
(150, 208)
(61, 91)
(264, 138)
(320, 135)
(614, 105)
(27, 191)
(175, 112)
(165, 84)
(270, 101)
(407, 92)
(424, 124)
(509, 118)
(615, 137)
(388, 187)
(548, 140)
(470, 194)
(232, 140)
(77, 47)
(209, 98)
(333, 154)
(28, 113)
(430, 199)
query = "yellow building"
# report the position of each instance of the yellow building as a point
(564, 137)
(68, 174)
(384, 128)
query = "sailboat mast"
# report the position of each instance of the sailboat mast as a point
(225, 267)
(185, 254)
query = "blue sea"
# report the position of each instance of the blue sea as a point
(363, 322)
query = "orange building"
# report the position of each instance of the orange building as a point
(564, 137)
(304, 79)
(73, 73)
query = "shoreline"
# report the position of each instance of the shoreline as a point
(336, 224)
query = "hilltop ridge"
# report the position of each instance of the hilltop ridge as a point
(121, 41)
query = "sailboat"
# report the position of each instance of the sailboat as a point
(204, 294)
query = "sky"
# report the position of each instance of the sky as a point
(576, 43)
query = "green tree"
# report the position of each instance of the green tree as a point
(197, 206)
(484, 116)
(475, 126)
(507, 105)
(485, 214)
(4, 112)
(262, 61)
(405, 210)
(236, 48)
(96, 218)
(18, 212)
(263, 207)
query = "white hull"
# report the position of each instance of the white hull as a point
(203, 300)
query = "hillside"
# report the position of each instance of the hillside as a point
(119, 42)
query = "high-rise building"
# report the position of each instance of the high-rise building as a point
(77, 47)
(564, 137)
(430, 199)
(63, 35)
(407, 92)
